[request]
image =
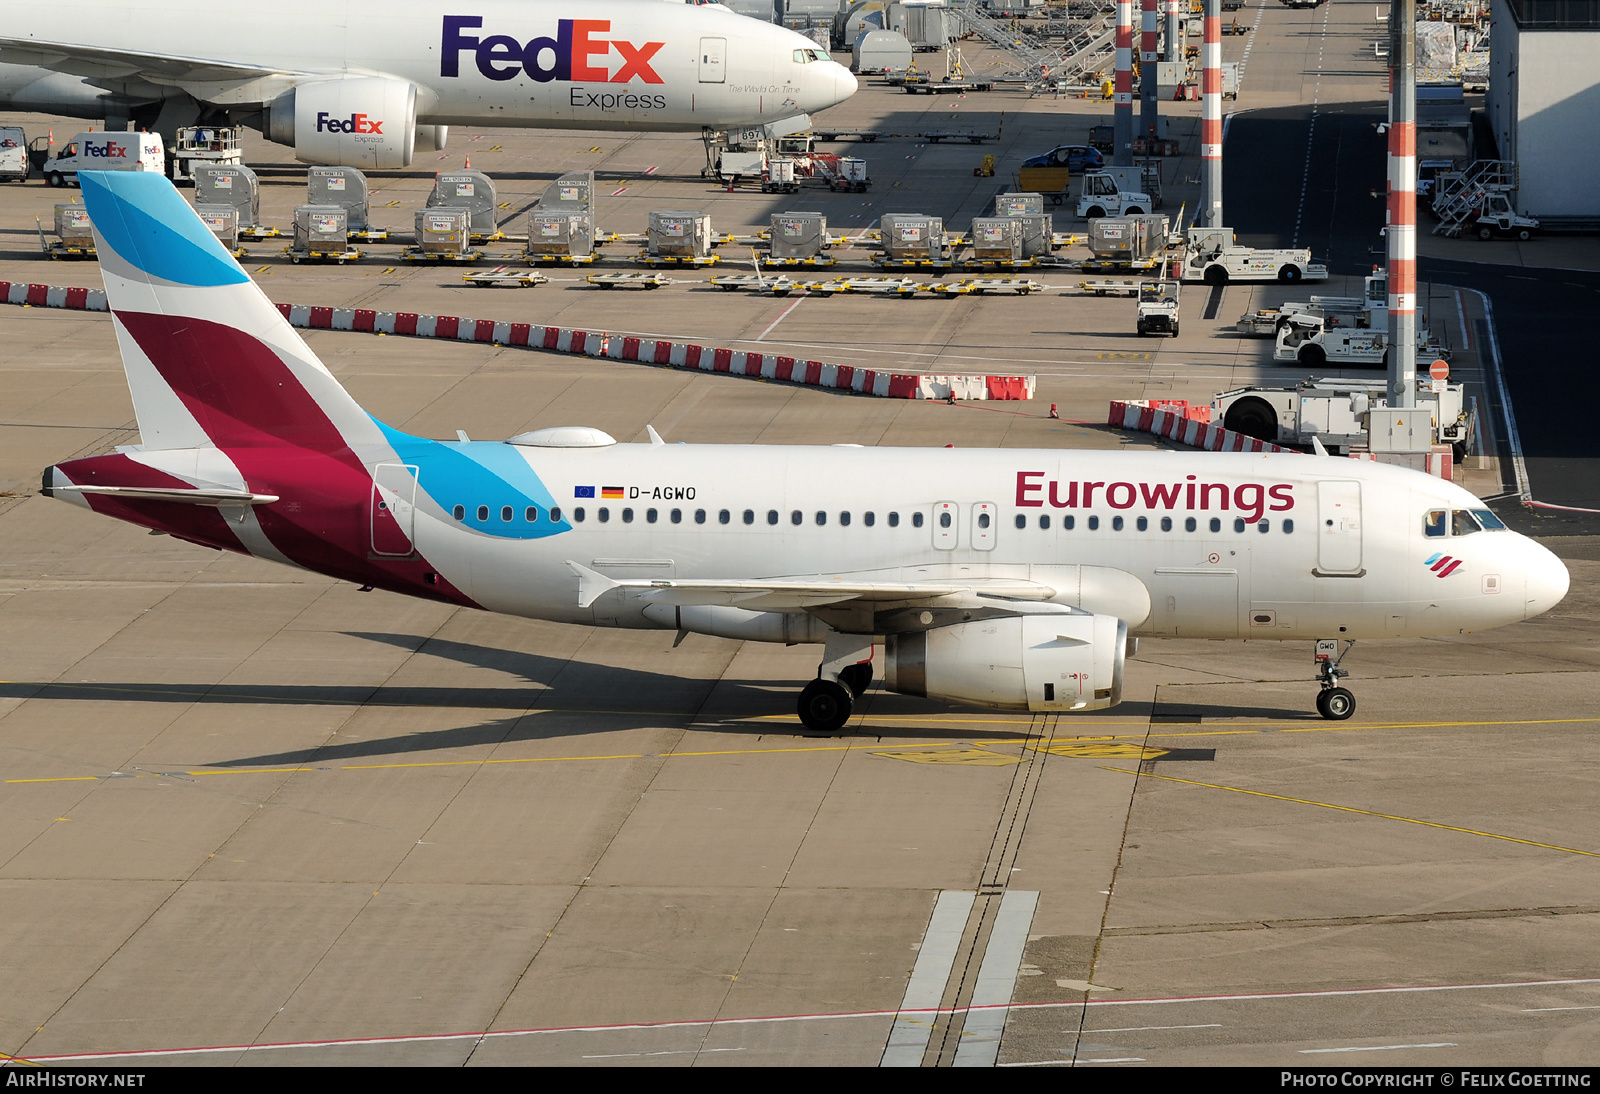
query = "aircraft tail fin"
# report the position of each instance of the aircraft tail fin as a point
(210, 360)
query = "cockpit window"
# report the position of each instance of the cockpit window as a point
(1489, 521)
(806, 56)
(1462, 523)
(1433, 523)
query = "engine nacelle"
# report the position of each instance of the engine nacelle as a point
(368, 122)
(1038, 661)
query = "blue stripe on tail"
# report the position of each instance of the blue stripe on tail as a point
(140, 216)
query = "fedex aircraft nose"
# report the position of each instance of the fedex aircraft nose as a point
(844, 82)
(1548, 580)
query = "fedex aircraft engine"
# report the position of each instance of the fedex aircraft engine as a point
(1037, 661)
(352, 121)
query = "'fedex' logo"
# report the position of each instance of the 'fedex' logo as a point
(565, 57)
(355, 123)
(106, 151)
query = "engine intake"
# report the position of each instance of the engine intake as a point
(368, 122)
(1043, 661)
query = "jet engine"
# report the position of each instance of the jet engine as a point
(368, 122)
(1036, 661)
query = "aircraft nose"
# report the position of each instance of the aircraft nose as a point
(844, 84)
(1547, 578)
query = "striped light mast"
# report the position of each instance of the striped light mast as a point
(1402, 218)
(1122, 130)
(1174, 50)
(1150, 33)
(1211, 117)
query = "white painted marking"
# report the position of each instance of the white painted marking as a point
(1141, 1029)
(1513, 438)
(997, 980)
(1114, 1060)
(1542, 1010)
(1461, 319)
(673, 1052)
(780, 319)
(1377, 1048)
(913, 1024)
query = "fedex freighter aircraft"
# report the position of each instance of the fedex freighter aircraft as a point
(362, 83)
(1004, 578)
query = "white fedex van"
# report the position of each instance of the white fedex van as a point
(105, 151)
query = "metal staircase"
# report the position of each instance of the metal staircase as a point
(1085, 49)
(1456, 197)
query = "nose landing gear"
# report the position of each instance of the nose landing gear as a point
(1334, 703)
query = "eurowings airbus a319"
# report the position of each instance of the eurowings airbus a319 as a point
(1006, 578)
(361, 83)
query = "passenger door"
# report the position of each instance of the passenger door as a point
(393, 505)
(1339, 529)
(713, 54)
(985, 514)
(944, 525)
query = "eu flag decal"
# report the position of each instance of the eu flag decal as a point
(583, 492)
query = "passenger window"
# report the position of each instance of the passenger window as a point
(1288, 527)
(916, 520)
(772, 516)
(844, 519)
(894, 520)
(1166, 524)
(749, 516)
(1116, 524)
(1094, 524)
(483, 512)
(1189, 524)
(796, 518)
(723, 516)
(983, 520)
(555, 514)
(1433, 523)
(578, 514)
(1462, 523)
(1490, 522)
(869, 518)
(532, 515)
(822, 518)
(677, 516)
(699, 516)
(603, 513)
(1143, 524)
(627, 516)
(1216, 524)
(1044, 521)
(506, 514)
(1022, 521)
(1264, 527)
(944, 520)
(459, 512)
(1068, 522)
(650, 516)
(1238, 524)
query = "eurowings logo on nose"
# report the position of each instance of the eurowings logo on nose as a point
(1442, 564)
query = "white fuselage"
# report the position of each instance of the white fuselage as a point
(1281, 546)
(599, 64)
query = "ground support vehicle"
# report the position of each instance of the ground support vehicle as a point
(1111, 287)
(74, 234)
(629, 280)
(1157, 309)
(105, 151)
(1213, 255)
(865, 136)
(780, 178)
(504, 275)
(340, 257)
(1332, 339)
(882, 286)
(647, 259)
(197, 144)
(14, 163)
(977, 286)
(782, 285)
(1334, 412)
(846, 174)
(1496, 217)
(1103, 196)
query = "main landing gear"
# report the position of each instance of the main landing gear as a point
(1334, 703)
(844, 675)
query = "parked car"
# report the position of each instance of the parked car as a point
(1076, 158)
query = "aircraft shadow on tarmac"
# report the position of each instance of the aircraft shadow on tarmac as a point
(567, 699)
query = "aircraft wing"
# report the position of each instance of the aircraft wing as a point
(795, 594)
(187, 497)
(110, 63)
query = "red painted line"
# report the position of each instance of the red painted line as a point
(614, 193)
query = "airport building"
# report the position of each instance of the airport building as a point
(1544, 96)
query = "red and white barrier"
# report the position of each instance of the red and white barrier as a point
(1185, 424)
(52, 296)
(646, 351)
